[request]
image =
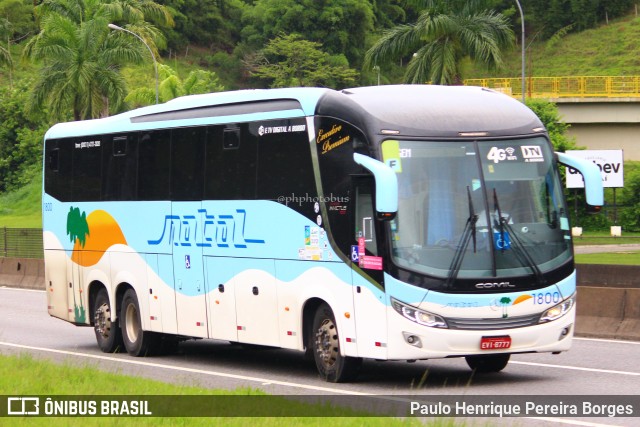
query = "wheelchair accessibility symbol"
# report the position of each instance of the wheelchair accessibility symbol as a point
(187, 262)
(501, 241)
(355, 255)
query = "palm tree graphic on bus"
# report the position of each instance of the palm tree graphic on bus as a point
(505, 301)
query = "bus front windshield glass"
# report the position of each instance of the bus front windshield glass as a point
(481, 208)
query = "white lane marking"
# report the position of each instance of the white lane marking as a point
(8, 288)
(265, 381)
(605, 340)
(577, 368)
(190, 370)
(572, 422)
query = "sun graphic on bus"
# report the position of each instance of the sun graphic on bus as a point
(92, 235)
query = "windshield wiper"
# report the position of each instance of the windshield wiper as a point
(469, 232)
(521, 252)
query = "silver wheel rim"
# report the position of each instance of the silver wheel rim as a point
(133, 322)
(103, 320)
(327, 344)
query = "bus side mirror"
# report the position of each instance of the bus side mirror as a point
(593, 188)
(386, 186)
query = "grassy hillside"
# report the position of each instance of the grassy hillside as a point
(609, 50)
(22, 208)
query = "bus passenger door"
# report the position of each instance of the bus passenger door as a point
(188, 269)
(368, 293)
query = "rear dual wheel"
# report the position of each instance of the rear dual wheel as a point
(136, 341)
(107, 332)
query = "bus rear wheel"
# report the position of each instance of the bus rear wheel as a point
(108, 333)
(332, 366)
(489, 363)
(136, 341)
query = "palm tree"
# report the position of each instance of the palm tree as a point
(505, 303)
(82, 58)
(446, 32)
(5, 54)
(171, 86)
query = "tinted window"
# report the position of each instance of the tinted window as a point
(154, 165)
(87, 179)
(57, 174)
(285, 169)
(230, 163)
(120, 155)
(187, 163)
(336, 141)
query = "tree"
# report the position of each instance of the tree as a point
(21, 137)
(81, 57)
(206, 23)
(340, 25)
(504, 301)
(289, 60)
(445, 33)
(5, 54)
(171, 86)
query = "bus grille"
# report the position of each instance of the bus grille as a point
(492, 324)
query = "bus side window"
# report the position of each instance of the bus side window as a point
(154, 165)
(87, 174)
(119, 167)
(230, 163)
(58, 172)
(187, 163)
(54, 157)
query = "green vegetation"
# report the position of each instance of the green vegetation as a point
(608, 50)
(615, 258)
(22, 208)
(446, 32)
(211, 46)
(24, 375)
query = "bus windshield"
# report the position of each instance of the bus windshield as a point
(478, 209)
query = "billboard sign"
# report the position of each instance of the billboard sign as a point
(610, 163)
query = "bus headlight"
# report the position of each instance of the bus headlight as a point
(415, 315)
(559, 310)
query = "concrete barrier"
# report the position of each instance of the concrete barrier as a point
(608, 299)
(24, 273)
(619, 276)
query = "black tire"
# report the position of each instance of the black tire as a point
(107, 332)
(324, 341)
(136, 341)
(484, 364)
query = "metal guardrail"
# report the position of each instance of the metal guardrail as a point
(21, 242)
(565, 87)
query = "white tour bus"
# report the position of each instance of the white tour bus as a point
(390, 222)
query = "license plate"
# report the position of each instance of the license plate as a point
(495, 343)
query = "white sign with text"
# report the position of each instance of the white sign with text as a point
(610, 163)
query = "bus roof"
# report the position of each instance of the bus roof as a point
(199, 109)
(437, 111)
(411, 110)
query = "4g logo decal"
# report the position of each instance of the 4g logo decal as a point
(498, 154)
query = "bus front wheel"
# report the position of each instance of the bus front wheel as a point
(484, 364)
(107, 332)
(332, 366)
(136, 341)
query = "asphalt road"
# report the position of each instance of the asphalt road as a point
(592, 367)
(596, 249)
